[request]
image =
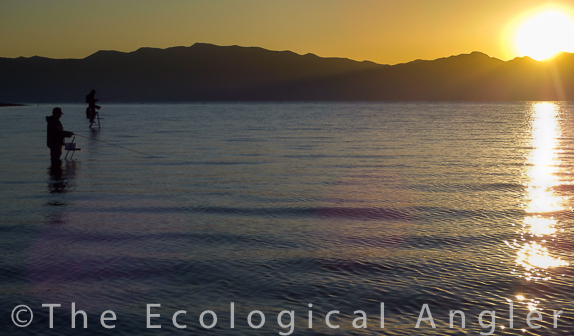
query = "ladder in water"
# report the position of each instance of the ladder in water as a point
(98, 117)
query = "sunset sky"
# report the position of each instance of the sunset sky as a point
(383, 31)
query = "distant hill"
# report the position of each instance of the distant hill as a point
(206, 72)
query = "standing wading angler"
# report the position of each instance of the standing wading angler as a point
(56, 134)
(91, 110)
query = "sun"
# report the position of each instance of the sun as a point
(544, 34)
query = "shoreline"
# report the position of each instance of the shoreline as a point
(10, 104)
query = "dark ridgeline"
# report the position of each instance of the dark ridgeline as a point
(205, 72)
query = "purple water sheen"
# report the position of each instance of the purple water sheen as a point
(274, 206)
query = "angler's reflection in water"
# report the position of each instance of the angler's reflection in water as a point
(61, 177)
(94, 134)
(93, 140)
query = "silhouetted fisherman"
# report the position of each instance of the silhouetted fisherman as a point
(91, 110)
(56, 135)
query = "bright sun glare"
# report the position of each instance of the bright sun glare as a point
(545, 34)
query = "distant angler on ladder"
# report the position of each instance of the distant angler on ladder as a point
(91, 112)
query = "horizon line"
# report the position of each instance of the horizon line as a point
(309, 53)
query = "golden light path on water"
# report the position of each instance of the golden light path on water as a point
(540, 227)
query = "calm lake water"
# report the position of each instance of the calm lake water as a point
(276, 206)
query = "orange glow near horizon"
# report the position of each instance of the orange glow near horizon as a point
(382, 31)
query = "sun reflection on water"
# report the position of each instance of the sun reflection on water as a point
(539, 227)
(541, 201)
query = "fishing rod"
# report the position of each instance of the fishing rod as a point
(111, 144)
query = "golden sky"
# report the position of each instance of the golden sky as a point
(383, 31)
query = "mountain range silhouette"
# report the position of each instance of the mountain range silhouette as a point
(206, 72)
